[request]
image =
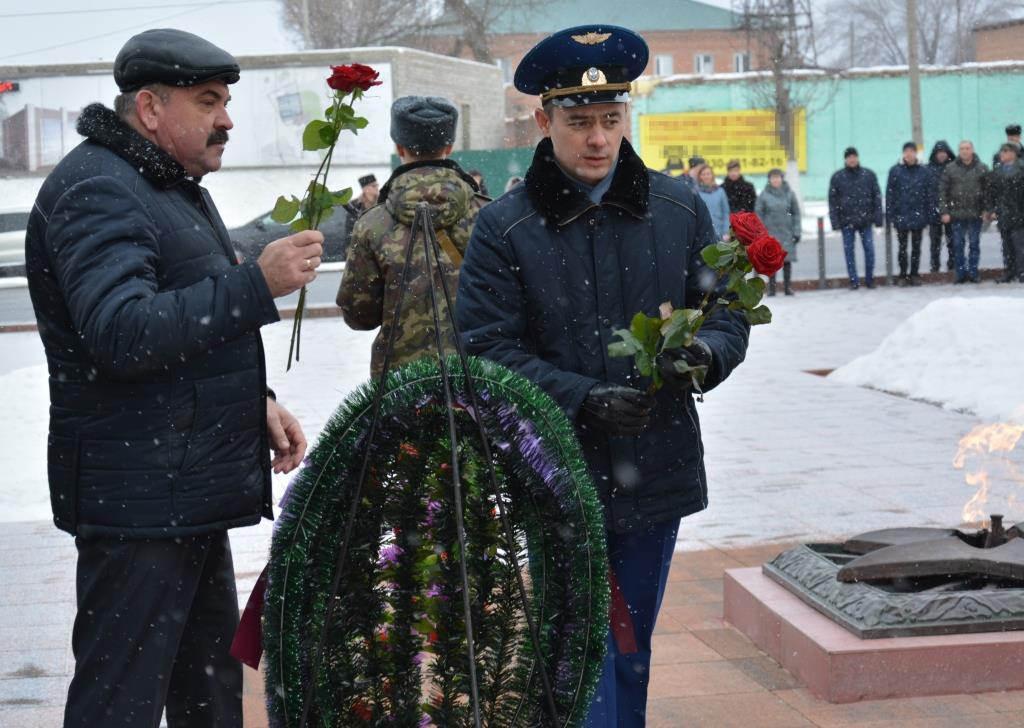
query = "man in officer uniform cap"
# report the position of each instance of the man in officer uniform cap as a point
(559, 263)
(160, 419)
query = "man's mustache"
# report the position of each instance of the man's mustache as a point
(219, 136)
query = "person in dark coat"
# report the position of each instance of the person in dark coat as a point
(1012, 137)
(369, 190)
(160, 417)
(559, 263)
(741, 193)
(907, 207)
(941, 156)
(1005, 183)
(962, 200)
(854, 205)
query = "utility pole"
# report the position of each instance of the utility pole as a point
(915, 74)
(305, 25)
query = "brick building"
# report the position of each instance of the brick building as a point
(685, 37)
(1002, 41)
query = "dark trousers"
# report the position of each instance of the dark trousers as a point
(935, 232)
(915, 251)
(154, 625)
(787, 279)
(640, 562)
(1017, 247)
(867, 240)
(967, 233)
(1010, 260)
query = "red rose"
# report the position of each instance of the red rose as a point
(352, 77)
(747, 227)
(766, 255)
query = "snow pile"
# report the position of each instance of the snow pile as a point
(964, 354)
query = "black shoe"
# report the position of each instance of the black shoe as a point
(788, 291)
(870, 284)
(974, 279)
(854, 285)
(902, 282)
(915, 280)
(1007, 278)
(959, 281)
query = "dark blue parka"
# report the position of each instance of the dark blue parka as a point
(854, 199)
(151, 332)
(908, 196)
(549, 276)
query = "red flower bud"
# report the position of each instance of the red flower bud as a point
(766, 255)
(352, 77)
(747, 227)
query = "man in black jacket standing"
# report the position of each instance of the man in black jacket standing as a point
(941, 156)
(559, 263)
(160, 422)
(854, 205)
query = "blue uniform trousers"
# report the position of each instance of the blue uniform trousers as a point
(640, 563)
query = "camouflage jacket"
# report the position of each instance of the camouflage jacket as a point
(373, 268)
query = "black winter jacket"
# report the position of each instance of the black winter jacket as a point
(1007, 191)
(936, 170)
(741, 194)
(908, 196)
(151, 332)
(854, 199)
(549, 276)
(962, 192)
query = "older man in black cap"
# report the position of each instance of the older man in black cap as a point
(160, 421)
(554, 267)
(423, 129)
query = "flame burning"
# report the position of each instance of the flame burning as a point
(982, 450)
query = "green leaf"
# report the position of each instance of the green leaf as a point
(644, 363)
(711, 255)
(328, 135)
(647, 330)
(312, 138)
(759, 315)
(750, 295)
(627, 347)
(343, 196)
(299, 225)
(285, 209)
(677, 330)
(325, 213)
(360, 123)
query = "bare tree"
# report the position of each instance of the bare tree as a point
(354, 23)
(781, 36)
(875, 31)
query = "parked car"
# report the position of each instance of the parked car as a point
(12, 240)
(250, 239)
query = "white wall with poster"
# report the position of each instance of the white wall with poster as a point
(271, 104)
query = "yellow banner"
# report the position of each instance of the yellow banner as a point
(669, 140)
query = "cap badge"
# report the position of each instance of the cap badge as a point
(591, 38)
(593, 77)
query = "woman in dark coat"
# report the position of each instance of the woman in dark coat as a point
(740, 193)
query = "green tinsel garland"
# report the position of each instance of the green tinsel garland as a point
(400, 602)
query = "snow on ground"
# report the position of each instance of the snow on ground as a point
(957, 352)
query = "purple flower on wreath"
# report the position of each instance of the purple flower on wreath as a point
(424, 722)
(389, 555)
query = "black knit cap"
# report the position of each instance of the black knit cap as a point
(172, 57)
(1013, 130)
(909, 145)
(423, 123)
(850, 152)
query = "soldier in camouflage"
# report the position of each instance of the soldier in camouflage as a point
(423, 129)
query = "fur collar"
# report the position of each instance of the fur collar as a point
(562, 203)
(101, 125)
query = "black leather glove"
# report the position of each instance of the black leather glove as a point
(616, 409)
(690, 357)
(796, 239)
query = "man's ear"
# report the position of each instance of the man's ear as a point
(543, 121)
(147, 109)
